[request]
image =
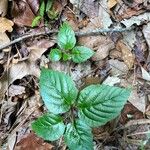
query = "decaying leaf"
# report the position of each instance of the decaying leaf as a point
(31, 141)
(118, 67)
(138, 101)
(3, 7)
(127, 55)
(111, 80)
(5, 25)
(146, 32)
(145, 74)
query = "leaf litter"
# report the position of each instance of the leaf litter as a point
(124, 62)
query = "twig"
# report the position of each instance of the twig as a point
(88, 33)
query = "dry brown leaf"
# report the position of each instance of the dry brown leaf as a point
(32, 142)
(118, 67)
(137, 101)
(5, 25)
(111, 3)
(4, 39)
(22, 13)
(103, 50)
(127, 55)
(3, 7)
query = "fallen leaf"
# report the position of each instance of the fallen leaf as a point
(111, 80)
(136, 20)
(3, 7)
(22, 13)
(138, 101)
(16, 90)
(145, 74)
(103, 50)
(111, 3)
(11, 141)
(127, 55)
(146, 32)
(118, 67)
(32, 142)
(5, 25)
(4, 39)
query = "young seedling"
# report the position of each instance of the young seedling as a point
(67, 48)
(73, 113)
(45, 8)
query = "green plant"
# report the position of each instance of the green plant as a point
(45, 7)
(67, 50)
(80, 110)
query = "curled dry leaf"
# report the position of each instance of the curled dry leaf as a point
(146, 32)
(127, 55)
(3, 7)
(5, 25)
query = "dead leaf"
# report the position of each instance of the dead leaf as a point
(127, 55)
(146, 32)
(136, 20)
(11, 141)
(111, 3)
(111, 80)
(32, 142)
(5, 25)
(16, 90)
(4, 39)
(145, 74)
(103, 50)
(118, 67)
(138, 101)
(3, 7)
(22, 13)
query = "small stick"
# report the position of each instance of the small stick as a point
(88, 33)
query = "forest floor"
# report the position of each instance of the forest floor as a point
(119, 33)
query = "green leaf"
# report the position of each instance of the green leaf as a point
(36, 21)
(55, 54)
(66, 56)
(81, 54)
(42, 8)
(66, 37)
(79, 136)
(49, 5)
(58, 91)
(98, 104)
(50, 127)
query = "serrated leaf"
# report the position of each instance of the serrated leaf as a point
(55, 54)
(81, 54)
(42, 8)
(58, 91)
(50, 127)
(36, 21)
(79, 136)
(66, 37)
(98, 104)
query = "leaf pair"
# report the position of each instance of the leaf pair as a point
(66, 41)
(96, 105)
